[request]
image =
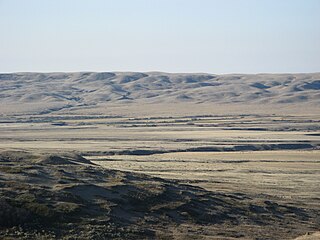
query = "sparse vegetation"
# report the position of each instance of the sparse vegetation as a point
(109, 204)
(172, 156)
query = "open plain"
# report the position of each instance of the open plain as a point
(156, 155)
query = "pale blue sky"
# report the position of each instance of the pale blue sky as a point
(215, 36)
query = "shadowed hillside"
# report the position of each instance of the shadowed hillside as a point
(67, 196)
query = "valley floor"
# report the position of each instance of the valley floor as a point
(267, 158)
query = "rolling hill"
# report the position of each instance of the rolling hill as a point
(52, 92)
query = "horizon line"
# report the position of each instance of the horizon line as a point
(166, 72)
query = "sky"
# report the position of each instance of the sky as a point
(212, 36)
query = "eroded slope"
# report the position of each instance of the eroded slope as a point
(64, 196)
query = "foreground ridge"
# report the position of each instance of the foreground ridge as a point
(65, 196)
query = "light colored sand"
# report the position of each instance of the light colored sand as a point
(310, 236)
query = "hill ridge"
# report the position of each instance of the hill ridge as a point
(81, 89)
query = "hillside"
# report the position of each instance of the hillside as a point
(49, 196)
(52, 92)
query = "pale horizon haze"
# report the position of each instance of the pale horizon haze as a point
(230, 36)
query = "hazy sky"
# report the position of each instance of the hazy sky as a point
(216, 36)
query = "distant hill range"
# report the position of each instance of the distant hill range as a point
(56, 91)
